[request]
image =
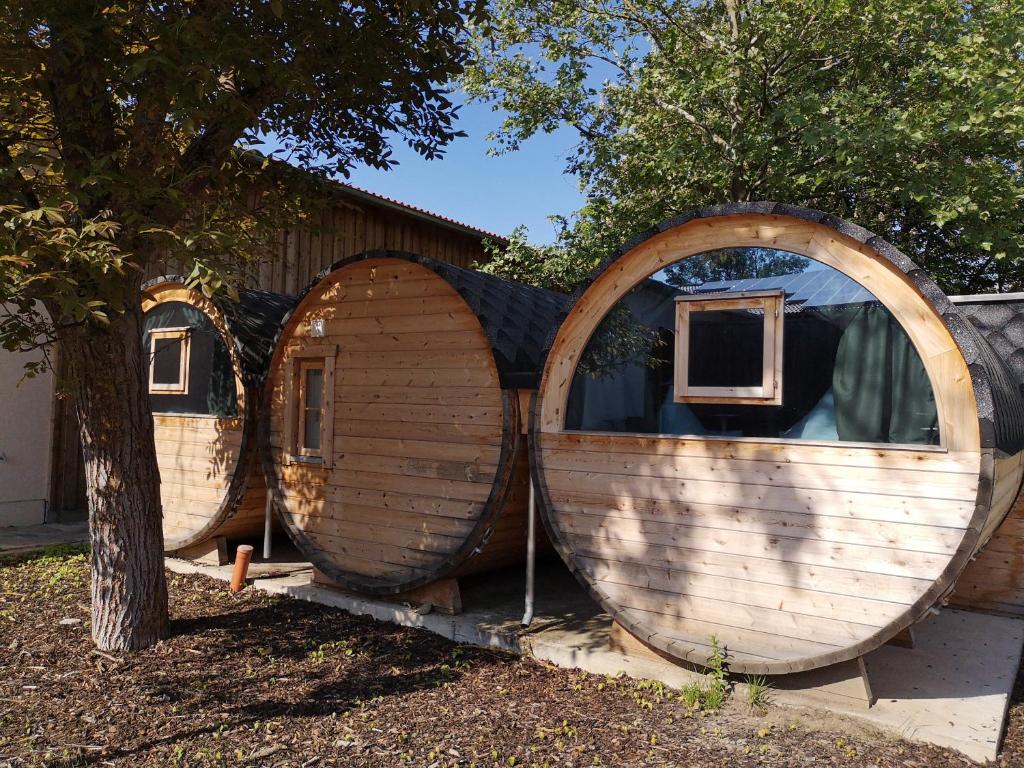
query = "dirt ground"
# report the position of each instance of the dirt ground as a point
(255, 680)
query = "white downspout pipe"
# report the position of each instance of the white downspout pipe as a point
(268, 521)
(531, 556)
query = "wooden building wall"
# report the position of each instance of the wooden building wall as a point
(351, 228)
(353, 224)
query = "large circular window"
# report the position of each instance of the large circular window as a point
(753, 342)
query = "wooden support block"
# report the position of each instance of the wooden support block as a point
(442, 595)
(621, 640)
(213, 551)
(845, 682)
(904, 639)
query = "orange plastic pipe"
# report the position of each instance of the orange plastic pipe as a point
(242, 557)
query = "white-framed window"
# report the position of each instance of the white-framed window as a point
(168, 361)
(729, 348)
(309, 398)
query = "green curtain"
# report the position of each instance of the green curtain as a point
(882, 391)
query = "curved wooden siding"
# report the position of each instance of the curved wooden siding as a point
(994, 580)
(793, 555)
(425, 440)
(210, 482)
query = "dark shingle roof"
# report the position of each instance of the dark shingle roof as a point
(1001, 323)
(517, 318)
(997, 393)
(253, 322)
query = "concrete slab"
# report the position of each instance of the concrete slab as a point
(285, 560)
(952, 689)
(32, 538)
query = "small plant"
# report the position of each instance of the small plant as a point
(758, 692)
(320, 651)
(655, 686)
(713, 697)
(717, 678)
(718, 663)
(691, 695)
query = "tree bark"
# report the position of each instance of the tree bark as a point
(129, 588)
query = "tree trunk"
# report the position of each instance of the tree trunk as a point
(129, 589)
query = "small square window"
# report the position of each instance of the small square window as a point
(168, 361)
(729, 348)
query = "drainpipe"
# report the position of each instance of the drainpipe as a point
(531, 556)
(267, 525)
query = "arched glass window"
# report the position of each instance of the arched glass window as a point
(753, 342)
(188, 365)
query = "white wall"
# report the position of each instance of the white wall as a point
(26, 441)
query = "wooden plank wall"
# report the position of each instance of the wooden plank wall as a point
(67, 481)
(781, 552)
(417, 427)
(994, 581)
(348, 228)
(197, 459)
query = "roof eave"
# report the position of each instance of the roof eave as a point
(416, 213)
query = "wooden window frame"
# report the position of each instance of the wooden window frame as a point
(299, 361)
(302, 369)
(179, 387)
(773, 304)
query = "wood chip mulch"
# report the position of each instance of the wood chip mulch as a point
(254, 680)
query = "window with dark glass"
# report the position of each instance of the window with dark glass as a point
(168, 372)
(729, 348)
(846, 369)
(310, 403)
(188, 364)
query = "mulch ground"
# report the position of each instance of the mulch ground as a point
(251, 679)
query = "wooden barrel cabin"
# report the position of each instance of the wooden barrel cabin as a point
(766, 426)
(395, 444)
(994, 581)
(206, 363)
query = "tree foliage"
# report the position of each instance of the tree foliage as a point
(127, 141)
(128, 130)
(905, 117)
(546, 266)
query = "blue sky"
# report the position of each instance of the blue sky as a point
(493, 193)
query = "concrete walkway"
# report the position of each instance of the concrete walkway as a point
(19, 540)
(952, 689)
